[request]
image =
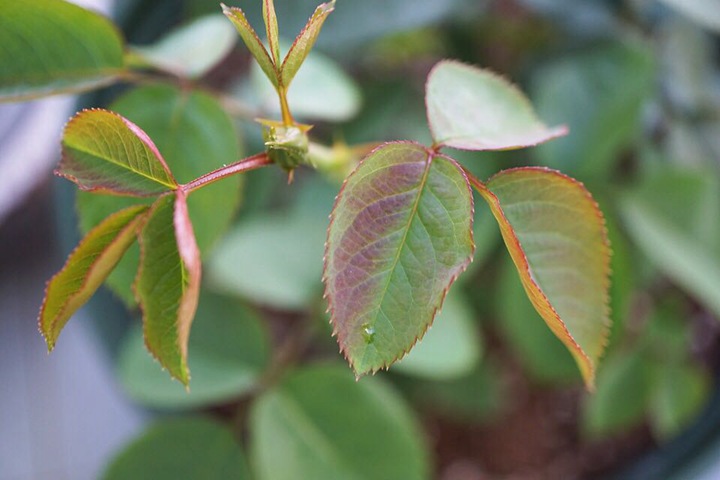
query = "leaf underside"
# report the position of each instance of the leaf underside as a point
(556, 236)
(168, 283)
(86, 268)
(51, 47)
(473, 109)
(400, 233)
(105, 152)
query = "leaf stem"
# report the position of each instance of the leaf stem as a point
(244, 165)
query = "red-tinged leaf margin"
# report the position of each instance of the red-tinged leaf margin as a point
(253, 42)
(65, 168)
(186, 306)
(535, 293)
(304, 42)
(190, 256)
(327, 294)
(87, 266)
(271, 28)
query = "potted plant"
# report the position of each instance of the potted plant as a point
(403, 204)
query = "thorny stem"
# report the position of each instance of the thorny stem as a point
(244, 165)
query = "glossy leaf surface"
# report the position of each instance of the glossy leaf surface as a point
(556, 236)
(253, 42)
(187, 448)
(86, 268)
(193, 49)
(304, 42)
(52, 46)
(400, 233)
(320, 423)
(168, 283)
(473, 109)
(105, 152)
(195, 136)
(228, 347)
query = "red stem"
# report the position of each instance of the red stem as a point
(244, 165)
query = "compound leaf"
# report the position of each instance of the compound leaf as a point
(253, 42)
(86, 268)
(556, 236)
(168, 282)
(473, 109)
(105, 152)
(304, 43)
(400, 233)
(51, 46)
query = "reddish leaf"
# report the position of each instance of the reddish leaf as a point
(86, 269)
(400, 233)
(105, 152)
(168, 282)
(556, 236)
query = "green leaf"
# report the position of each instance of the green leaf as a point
(187, 448)
(253, 42)
(320, 91)
(622, 396)
(105, 152)
(701, 12)
(400, 233)
(271, 27)
(272, 273)
(168, 282)
(541, 354)
(452, 346)
(229, 348)
(304, 43)
(582, 90)
(86, 268)
(473, 109)
(679, 392)
(321, 424)
(673, 217)
(556, 236)
(51, 46)
(195, 136)
(191, 50)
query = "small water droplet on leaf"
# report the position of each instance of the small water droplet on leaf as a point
(368, 333)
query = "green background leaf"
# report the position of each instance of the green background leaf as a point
(583, 91)
(319, 423)
(674, 218)
(400, 233)
(51, 46)
(228, 350)
(187, 448)
(273, 259)
(451, 348)
(473, 109)
(195, 136)
(193, 49)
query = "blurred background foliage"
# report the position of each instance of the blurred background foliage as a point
(489, 391)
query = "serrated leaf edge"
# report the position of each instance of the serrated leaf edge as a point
(431, 154)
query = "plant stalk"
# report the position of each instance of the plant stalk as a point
(244, 165)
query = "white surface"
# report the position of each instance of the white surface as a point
(61, 415)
